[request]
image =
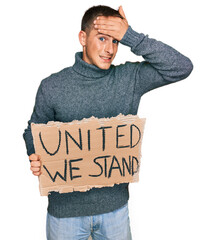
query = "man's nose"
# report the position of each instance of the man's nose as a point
(109, 47)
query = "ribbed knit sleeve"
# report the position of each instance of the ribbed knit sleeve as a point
(163, 64)
(42, 113)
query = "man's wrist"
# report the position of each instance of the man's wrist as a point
(130, 38)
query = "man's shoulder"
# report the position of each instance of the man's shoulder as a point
(57, 77)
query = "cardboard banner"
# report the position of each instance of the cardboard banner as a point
(93, 152)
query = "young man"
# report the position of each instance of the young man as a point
(95, 87)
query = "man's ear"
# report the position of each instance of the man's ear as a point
(82, 38)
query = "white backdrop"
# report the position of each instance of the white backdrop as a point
(176, 195)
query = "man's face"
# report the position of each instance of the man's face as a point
(99, 49)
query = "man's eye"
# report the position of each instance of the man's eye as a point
(102, 39)
(115, 41)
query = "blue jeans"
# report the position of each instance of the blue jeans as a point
(108, 226)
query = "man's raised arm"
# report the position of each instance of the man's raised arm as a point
(163, 64)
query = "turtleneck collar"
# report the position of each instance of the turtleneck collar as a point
(88, 70)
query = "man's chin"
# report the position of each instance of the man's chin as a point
(104, 66)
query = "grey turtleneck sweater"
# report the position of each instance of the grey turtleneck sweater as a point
(84, 90)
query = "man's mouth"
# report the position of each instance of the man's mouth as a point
(106, 59)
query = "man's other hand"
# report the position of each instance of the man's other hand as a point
(112, 26)
(35, 164)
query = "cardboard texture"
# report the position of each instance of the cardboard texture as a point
(93, 152)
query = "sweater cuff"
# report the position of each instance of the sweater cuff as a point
(130, 38)
(30, 151)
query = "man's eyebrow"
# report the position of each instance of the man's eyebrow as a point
(102, 34)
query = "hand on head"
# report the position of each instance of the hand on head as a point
(115, 27)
